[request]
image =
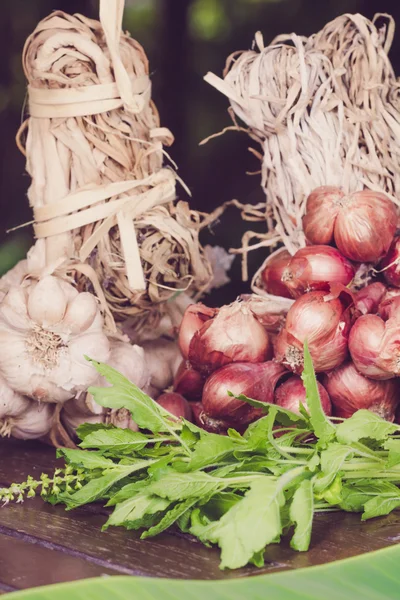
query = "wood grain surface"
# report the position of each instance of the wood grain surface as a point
(41, 544)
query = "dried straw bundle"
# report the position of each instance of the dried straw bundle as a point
(101, 196)
(325, 111)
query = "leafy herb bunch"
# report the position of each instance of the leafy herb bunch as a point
(241, 492)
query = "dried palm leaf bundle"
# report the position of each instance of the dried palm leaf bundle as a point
(325, 110)
(103, 197)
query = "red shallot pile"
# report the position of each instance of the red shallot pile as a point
(254, 346)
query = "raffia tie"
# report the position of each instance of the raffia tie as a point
(109, 204)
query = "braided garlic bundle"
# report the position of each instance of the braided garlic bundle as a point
(325, 111)
(101, 194)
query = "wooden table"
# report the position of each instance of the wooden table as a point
(41, 544)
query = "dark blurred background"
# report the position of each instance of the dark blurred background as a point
(183, 39)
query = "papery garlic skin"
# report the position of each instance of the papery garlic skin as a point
(43, 348)
(13, 277)
(163, 359)
(71, 418)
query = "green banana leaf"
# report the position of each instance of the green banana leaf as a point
(371, 576)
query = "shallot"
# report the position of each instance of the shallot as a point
(350, 391)
(315, 268)
(390, 307)
(194, 318)
(368, 299)
(176, 405)
(257, 381)
(270, 312)
(271, 275)
(362, 224)
(211, 425)
(375, 346)
(390, 265)
(322, 320)
(291, 394)
(188, 382)
(234, 335)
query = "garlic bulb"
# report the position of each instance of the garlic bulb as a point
(34, 421)
(163, 359)
(46, 329)
(72, 418)
(129, 361)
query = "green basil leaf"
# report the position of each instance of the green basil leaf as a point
(248, 526)
(124, 394)
(116, 440)
(131, 511)
(323, 428)
(86, 460)
(301, 514)
(169, 518)
(364, 424)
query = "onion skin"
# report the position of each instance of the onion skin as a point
(292, 393)
(361, 224)
(368, 299)
(193, 319)
(271, 313)
(375, 347)
(208, 424)
(234, 335)
(350, 391)
(322, 320)
(390, 308)
(391, 272)
(188, 382)
(315, 268)
(255, 381)
(271, 275)
(176, 405)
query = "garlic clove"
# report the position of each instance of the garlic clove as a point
(15, 364)
(80, 313)
(91, 345)
(129, 361)
(13, 310)
(47, 302)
